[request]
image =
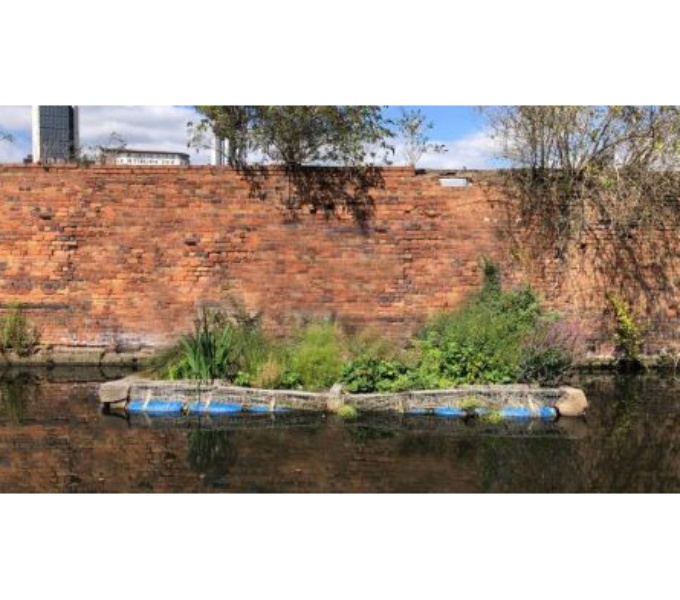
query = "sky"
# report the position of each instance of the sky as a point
(460, 129)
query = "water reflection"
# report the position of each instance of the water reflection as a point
(16, 390)
(211, 453)
(53, 437)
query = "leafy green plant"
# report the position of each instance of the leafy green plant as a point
(627, 334)
(470, 403)
(491, 416)
(219, 347)
(314, 359)
(491, 284)
(487, 340)
(347, 412)
(16, 333)
(481, 341)
(366, 374)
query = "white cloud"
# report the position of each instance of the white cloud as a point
(474, 151)
(141, 127)
(15, 118)
(12, 152)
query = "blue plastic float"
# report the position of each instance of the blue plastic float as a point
(156, 407)
(214, 408)
(522, 412)
(449, 411)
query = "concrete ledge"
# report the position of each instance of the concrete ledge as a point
(95, 356)
(567, 401)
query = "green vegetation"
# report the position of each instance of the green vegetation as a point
(315, 358)
(496, 337)
(470, 403)
(627, 335)
(491, 416)
(296, 135)
(573, 164)
(412, 128)
(347, 412)
(235, 348)
(16, 333)
(548, 352)
(230, 348)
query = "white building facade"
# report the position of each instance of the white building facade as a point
(125, 157)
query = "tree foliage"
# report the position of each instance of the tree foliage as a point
(578, 139)
(412, 128)
(618, 163)
(297, 135)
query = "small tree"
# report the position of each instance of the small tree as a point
(296, 135)
(617, 163)
(411, 130)
(87, 155)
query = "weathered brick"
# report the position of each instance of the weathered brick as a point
(140, 249)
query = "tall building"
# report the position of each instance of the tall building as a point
(218, 151)
(55, 133)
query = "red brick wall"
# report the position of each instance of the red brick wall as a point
(106, 255)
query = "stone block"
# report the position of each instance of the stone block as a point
(572, 403)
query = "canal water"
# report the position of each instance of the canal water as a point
(55, 438)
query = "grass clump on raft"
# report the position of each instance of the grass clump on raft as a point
(236, 349)
(220, 347)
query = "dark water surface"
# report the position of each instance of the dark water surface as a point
(54, 438)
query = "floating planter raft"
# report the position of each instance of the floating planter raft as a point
(502, 401)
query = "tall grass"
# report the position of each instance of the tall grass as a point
(16, 333)
(219, 348)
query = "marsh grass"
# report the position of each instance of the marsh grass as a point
(16, 333)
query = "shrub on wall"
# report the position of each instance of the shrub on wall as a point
(627, 334)
(16, 333)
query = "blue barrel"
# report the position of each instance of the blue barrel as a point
(524, 412)
(449, 411)
(156, 407)
(548, 412)
(214, 408)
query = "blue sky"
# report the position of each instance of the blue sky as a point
(460, 128)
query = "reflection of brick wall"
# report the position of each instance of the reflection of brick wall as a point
(106, 254)
(61, 443)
